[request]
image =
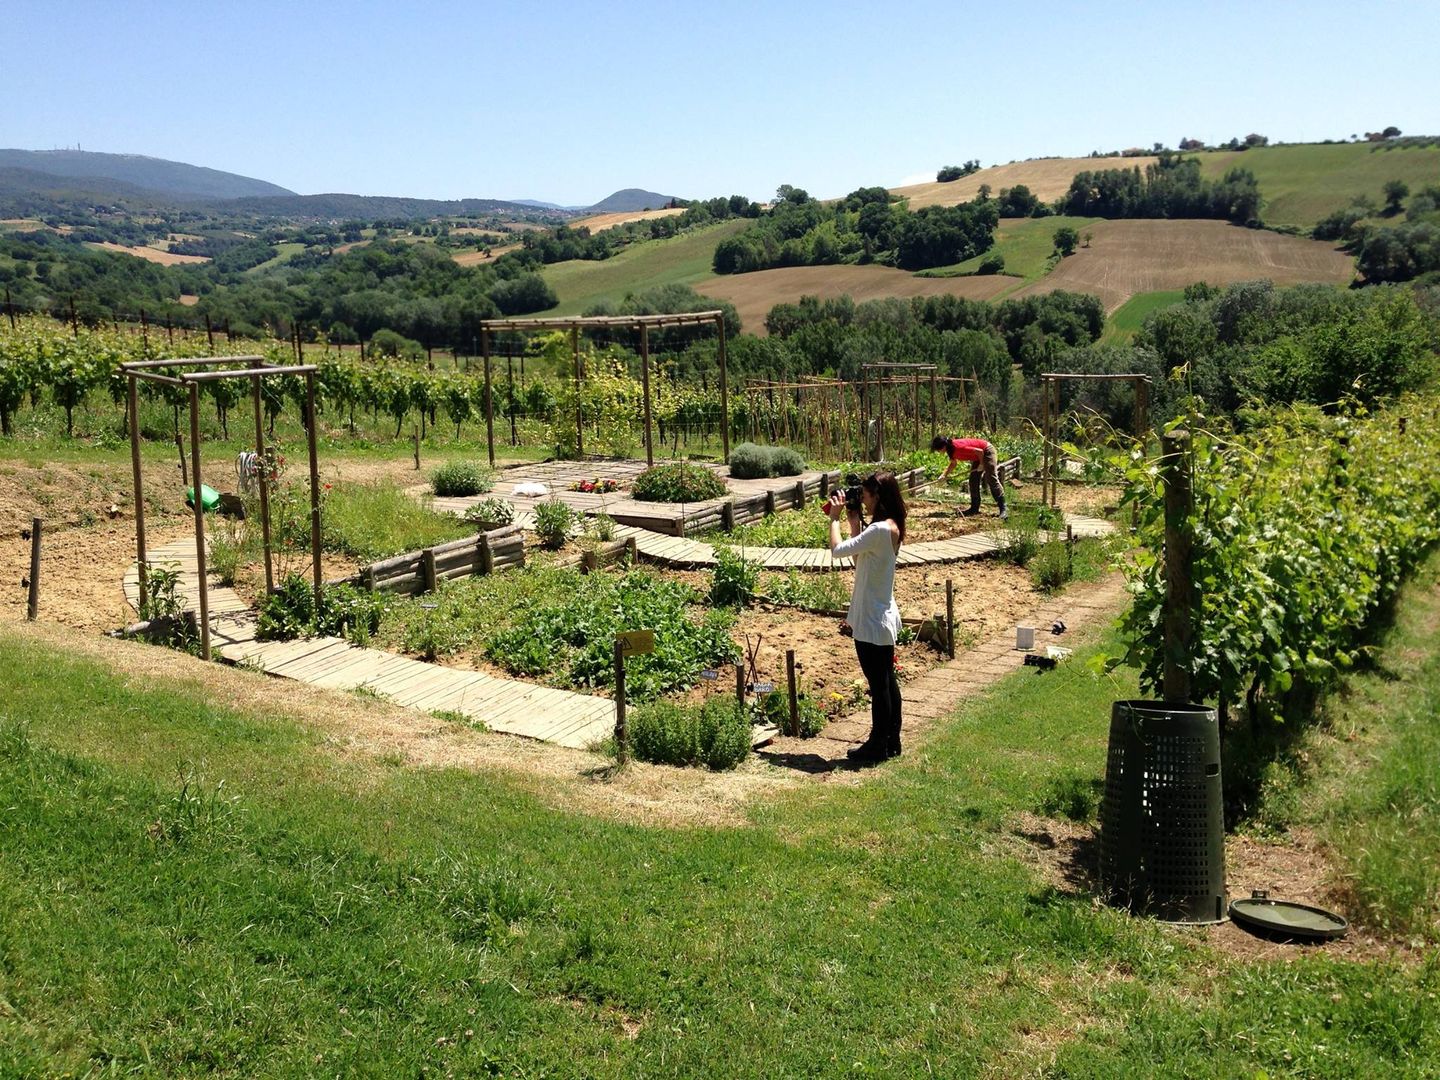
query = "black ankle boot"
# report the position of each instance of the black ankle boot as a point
(869, 751)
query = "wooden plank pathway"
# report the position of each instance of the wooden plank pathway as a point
(504, 705)
(684, 553)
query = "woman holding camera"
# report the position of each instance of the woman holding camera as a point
(873, 616)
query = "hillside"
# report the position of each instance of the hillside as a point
(631, 199)
(756, 293)
(174, 179)
(1047, 179)
(339, 206)
(1126, 258)
(1302, 184)
(684, 259)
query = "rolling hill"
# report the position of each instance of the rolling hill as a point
(1047, 179)
(1302, 184)
(631, 199)
(173, 179)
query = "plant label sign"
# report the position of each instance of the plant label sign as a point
(636, 642)
(761, 687)
(709, 673)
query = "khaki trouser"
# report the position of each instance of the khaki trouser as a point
(988, 469)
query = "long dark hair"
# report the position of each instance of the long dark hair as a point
(890, 504)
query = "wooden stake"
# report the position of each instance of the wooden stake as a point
(1179, 590)
(132, 402)
(724, 393)
(200, 552)
(622, 732)
(416, 434)
(794, 698)
(310, 430)
(740, 686)
(32, 607)
(645, 384)
(489, 413)
(950, 617)
(264, 480)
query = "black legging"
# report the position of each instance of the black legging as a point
(878, 664)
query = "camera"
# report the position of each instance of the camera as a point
(852, 491)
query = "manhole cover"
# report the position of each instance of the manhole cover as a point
(1282, 918)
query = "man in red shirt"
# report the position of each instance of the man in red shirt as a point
(984, 464)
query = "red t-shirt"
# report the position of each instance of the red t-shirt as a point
(968, 449)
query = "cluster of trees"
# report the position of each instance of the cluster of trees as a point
(1172, 188)
(1404, 251)
(955, 172)
(563, 243)
(868, 225)
(1310, 343)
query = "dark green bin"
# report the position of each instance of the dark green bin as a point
(1162, 821)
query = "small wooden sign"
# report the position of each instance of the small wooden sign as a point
(636, 642)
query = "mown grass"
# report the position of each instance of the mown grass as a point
(682, 260)
(1377, 797)
(1302, 184)
(1026, 244)
(188, 887)
(1122, 325)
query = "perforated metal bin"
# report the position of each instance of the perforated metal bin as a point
(1162, 821)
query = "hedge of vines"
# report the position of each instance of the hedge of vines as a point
(1302, 529)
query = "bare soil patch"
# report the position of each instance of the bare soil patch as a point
(155, 255)
(756, 293)
(1066, 856)
(1047, 179)
(600, 222)
(1129, 257)
(479, 258)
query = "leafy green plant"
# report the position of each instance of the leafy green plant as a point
(344, 611)
(491, 514)
(570, 633)
(815, 592)
(553, 522)
(1050, 568)
(790, 528)
(732, 582)
(678, 482)
(1071, 795)
(371, 521)
(162, 597)
(1019, 537)
(717, 735)
(774, 708)
(605, 527)
(231, 547)
(461, 478)
(749, 461)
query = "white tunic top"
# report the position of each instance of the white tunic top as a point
(873, 614)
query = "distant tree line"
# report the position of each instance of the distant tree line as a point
(1171, 188)
(868, 225)
(955, 172)
(1405, 251)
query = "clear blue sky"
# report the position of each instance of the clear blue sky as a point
(567, 102)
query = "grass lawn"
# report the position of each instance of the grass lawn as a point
(1302, 184)
(1121, 326)
(283, 253)
(680, 260)
(191, 879)
(1026, 244)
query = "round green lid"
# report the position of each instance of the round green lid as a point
(1283, 918)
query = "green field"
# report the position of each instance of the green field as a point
(201, 872)
(284, 253)
(1026, 244)
(1302, 184)
(1130, 316)
(682, 260)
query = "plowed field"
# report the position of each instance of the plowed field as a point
(1129, 257)
(1047, 179)
(755, 294)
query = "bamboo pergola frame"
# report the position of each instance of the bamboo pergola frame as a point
(642, 324)
(1050, 420)
(253, 368)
